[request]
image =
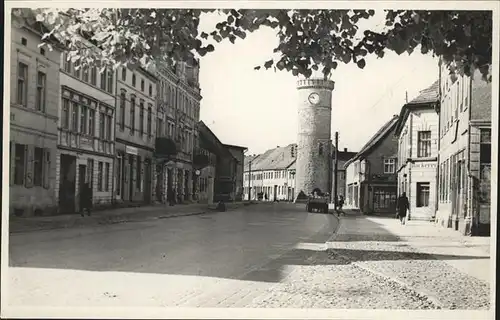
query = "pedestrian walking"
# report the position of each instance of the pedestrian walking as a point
(86, 200)
(403, 205)
(340, 204)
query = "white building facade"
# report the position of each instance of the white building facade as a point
(417, 131)
(34, 104)
(86, 140)
(464, 153)
(135, 135)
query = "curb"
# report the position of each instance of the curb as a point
(108, 220)
(330, 247)
(335, 232)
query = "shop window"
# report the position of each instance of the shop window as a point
(423, 193)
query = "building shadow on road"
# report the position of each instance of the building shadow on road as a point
(247, 257)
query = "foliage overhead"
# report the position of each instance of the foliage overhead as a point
(308, 39)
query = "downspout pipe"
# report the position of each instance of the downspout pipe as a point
(113, 191)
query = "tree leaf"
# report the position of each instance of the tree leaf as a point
(257, 68)
(361, 63)
(268, 64)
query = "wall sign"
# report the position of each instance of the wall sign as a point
(131, 150)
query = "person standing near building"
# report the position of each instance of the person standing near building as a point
(402, 207)
(86, 199)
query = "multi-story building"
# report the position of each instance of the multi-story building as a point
(178, 105)
(343, 157)
(34, 96)
(464, 152)
(239, 153)
(86, 139)
(417, 131)
(135, 135)
(271, 175)
(371, 174)
(216, 167)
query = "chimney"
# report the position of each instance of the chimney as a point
(345, 149)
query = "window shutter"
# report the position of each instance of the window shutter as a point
(28, 166)
(46, 168)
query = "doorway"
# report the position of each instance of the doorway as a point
(147, 181)
(67, 184)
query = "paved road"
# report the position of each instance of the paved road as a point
(268, 255)
(186, 261)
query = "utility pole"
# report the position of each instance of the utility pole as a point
(406, 96)
(335, 169)
(249, 179)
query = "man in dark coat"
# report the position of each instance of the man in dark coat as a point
(402, 206)
(86, 199)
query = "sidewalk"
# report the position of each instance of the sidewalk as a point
(470, 255)
(110, 216)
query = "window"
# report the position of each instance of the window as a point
(76, 69)
(40, 91)
(110, 81)
(103, 79)
(38, 167)
(446, 180)
(132, 114)
(101, 125)
(99, 176)
(74, 117)
(90, 171)
(389, 165)
(138, 174)
(122, 110)
(485, 166)
(85, 73)
(65, 114)
(141, 117)
(150, 115)
(24, 42)
(109, 119)
(42, 51)
(142, 85)
(159, 126)
(83, 119)
(106, 180)
(93, 76)
(320, 149)
(67, 63)
(424, 144)
(133, 80)
(20, 164)
(150, 90)
(423, 192)
(91, 131)
(22, 84)
(124, 74)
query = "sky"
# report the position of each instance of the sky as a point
(258, 109)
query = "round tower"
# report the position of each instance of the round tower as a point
(313, 137)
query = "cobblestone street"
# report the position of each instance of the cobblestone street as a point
(263, 256)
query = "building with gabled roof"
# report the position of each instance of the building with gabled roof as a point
(417, 132)
(273, 173)
(370, 174)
